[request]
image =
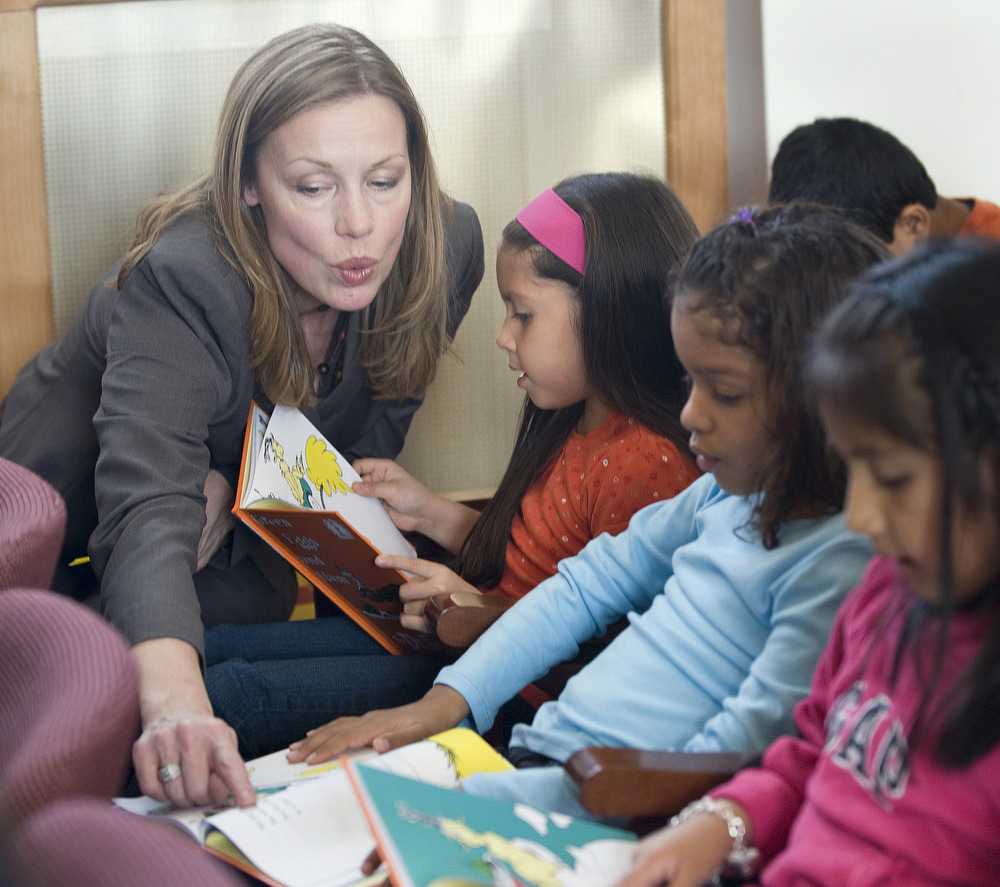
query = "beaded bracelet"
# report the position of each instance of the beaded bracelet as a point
(741, 858)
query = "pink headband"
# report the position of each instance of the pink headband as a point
(556, 226)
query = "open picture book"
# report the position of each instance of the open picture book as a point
(307, 828)
(294, 491)
(429, 835)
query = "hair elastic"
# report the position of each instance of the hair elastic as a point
(556, 226)
(745, 214)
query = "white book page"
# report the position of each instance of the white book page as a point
(267, 774)
(297, 465)
(191, 819)
(258, 423)
(312, 834)
(274, 771)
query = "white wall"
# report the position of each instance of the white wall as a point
(925, 70)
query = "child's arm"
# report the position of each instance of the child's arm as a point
(550, 623)
(612, 576)
(797, 611)
(412, 507)
(774, 792)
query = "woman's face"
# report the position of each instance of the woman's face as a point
(333, 183)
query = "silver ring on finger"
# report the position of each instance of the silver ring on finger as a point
(168, 773)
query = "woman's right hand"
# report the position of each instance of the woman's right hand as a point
(441, 708)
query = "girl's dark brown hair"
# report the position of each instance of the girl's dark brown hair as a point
(771, 275)
(914, 351)
(636, 232)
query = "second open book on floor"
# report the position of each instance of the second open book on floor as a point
(294, 491)
(313, 827)
(430, 836)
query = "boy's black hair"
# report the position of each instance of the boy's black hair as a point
(636, 233)
(914, 352)
(855, 166)
(771, 276)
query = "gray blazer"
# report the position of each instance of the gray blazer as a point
(148, 389)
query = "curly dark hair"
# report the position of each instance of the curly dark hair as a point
(771, 275)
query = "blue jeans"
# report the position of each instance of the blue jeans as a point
(273, 682)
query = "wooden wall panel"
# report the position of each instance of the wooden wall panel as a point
(26, 314)
(694, 71)
(25, 278)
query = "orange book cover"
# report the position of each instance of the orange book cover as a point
(294, 491)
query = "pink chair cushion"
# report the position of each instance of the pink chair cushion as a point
(83, 842)
(32, 526)
(69, 703)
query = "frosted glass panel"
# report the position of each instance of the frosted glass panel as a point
(517, 95)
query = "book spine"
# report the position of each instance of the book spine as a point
(398, 873)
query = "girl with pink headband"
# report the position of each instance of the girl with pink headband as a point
(584, 272)
(588, 334)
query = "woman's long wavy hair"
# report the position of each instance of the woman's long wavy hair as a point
(404, 326)
(914, 352)
(636, 231)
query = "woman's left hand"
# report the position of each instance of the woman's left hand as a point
(428, 579)
(219, 520)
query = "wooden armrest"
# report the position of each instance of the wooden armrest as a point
(625, 782)
(460, 617)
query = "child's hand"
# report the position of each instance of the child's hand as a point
(411, 506)
(440, 709)
(371, 865)
(406, 500)
(429, 579)
(687, 855)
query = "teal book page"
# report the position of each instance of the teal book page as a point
(438, 837)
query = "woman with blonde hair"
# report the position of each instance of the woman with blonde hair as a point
(318, 265)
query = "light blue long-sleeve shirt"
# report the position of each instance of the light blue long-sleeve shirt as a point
(722, 639)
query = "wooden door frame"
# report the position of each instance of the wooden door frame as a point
(695, 94)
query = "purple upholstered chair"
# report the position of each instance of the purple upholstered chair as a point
(69, 703)
(83, 842)
(32, 526)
